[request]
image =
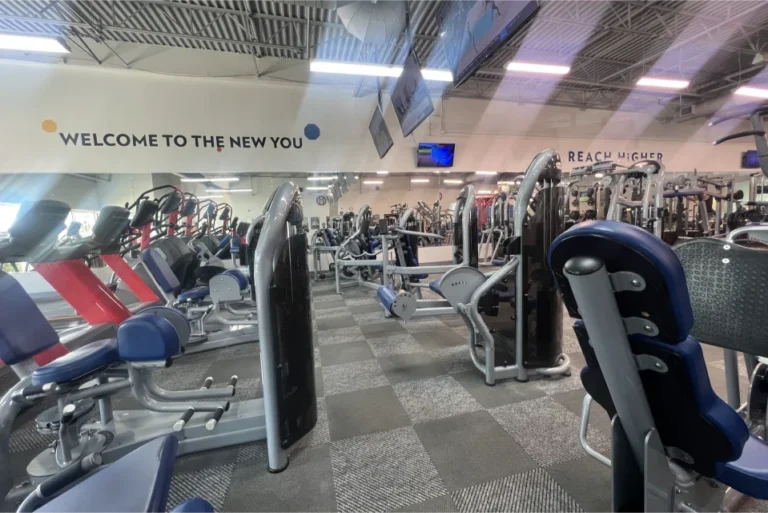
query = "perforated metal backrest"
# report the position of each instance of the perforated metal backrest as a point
(728, 286)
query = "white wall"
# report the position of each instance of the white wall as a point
(122, 188)
(500, 136)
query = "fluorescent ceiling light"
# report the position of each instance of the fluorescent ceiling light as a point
(321, 178)
(31, 44)
(317, 188)
(453, 181)
(662, 82)
(486, 173)
(438, 75)
(219, 179)
(228, 190)
(375, 70)
(210, 197)
(754, 92)
(599, 175)
(382, 172)
(532, 67)
(373, 182)
(419, 180)
(356, 177)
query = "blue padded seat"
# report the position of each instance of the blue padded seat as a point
(195, 293)
(498, 262)
(147, 337)
(196, 505)
(137, 482)
(434, 286)
(749, 473)
(79, 362)
(24, 330)
(160, 270)
(386, 295)
(239, 276)
(224, 242)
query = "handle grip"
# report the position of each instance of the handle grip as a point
(214, 420)
(185, 417)
(737, 135)
(207, 384)
(69, 475)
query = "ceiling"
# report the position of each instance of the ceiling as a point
(608, 44)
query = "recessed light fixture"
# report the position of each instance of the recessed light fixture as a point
(375, 70)
(215, 179)
(317, 188)
(599, 175)
(419, 180)
(488, 173)
(532, 67)
(31, 44)
(752, 92)
(321, 178)
(356, 177)
(373, 182)
(663, 83)
(453, 182)
(382, 172)
(228, 190)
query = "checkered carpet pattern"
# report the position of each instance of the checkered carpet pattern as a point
(405, 423)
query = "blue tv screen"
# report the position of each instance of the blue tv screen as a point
(749, 160)
(435, 155)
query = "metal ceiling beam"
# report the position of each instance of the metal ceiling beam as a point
(124, 30)
(653, 57)
(623, 87)
(689, 14)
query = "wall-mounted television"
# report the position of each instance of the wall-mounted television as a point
(410, 96)
(380, 133)
(472, 31)
(435, 155)
(750, 160)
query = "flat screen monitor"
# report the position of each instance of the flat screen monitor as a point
(472, 31)
(435, 155)
(750, 160)
(410, 96)
(380, 133)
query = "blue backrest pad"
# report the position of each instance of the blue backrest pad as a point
(139, 481)
(24, 330)
(160, 270)
(147, 337)
(624, 247)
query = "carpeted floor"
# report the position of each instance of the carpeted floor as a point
(405, 423)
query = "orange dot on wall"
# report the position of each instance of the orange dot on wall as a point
(49, 126)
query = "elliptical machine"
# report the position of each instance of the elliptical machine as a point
(516, 313)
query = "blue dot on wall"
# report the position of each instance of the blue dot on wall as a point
(311, 131)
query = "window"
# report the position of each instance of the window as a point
(8, 212)
(86, 218)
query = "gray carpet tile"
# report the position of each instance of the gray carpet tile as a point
(472, 448)
(383, 471)
(409, 367)
(335, 354)
(353, 376)
(364, 412)
(434, 398)
(422, 324)
(210, 483)
(547, 430)
(391, 345)
(340, 336)
(532, 491)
